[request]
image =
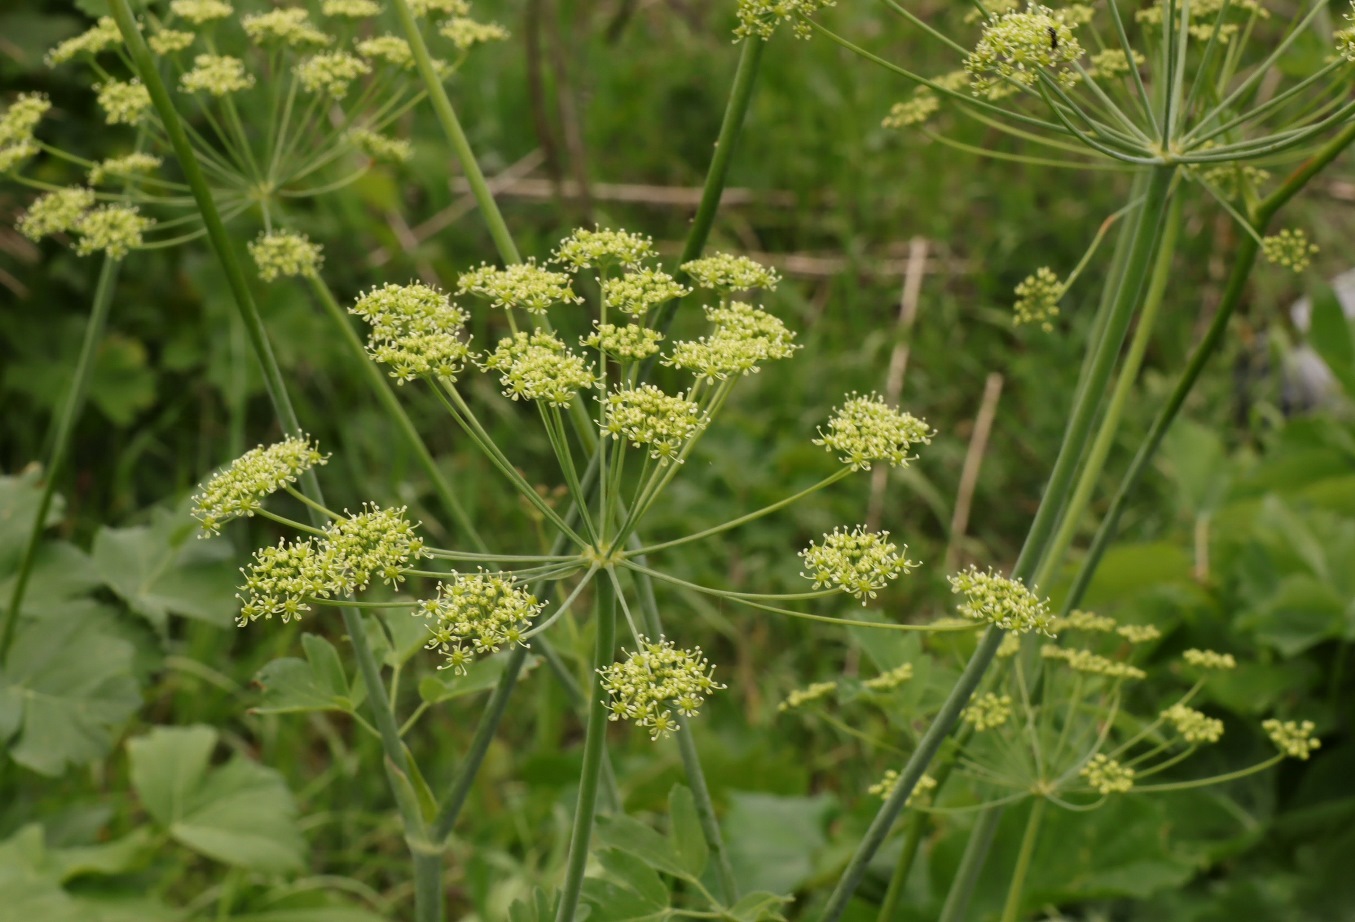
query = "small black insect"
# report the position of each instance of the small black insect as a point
(1053, 39)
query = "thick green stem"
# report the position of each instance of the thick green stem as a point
(1073, 510)
(61, 442)
(1012, 908)
(451, 126)
(427, 864)
(594, 747)
(381, 387)
(971, 864)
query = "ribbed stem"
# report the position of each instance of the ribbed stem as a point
(1018, 885)
(594, 747)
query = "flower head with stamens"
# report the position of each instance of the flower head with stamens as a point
(1017, 47)
(539, 366)
(801, 696)
(288, 26)
(1292, 738)
(1037, 299)
(1289, 248)
(240, 489)
(15, 154)
(624, 343)
(525, 285)
(55, 212)
(857, 562)
(374, 542)
(1194, 726)
(388, 49)
(416, 330)
(759, 18)
(636, 292)
(114, 230)
(1106, 776)
(1209, 659)
(866, 429)
(586, 249)
(727, 273)
(744, 338)
(888, 681)
(124, 101)
(283, 580)
(217, 75)
(331, 73)
(656, 680)
(170, 41)
(22, 117)
(477, 613)
(280, 254)
(100, 37)
(988, 711)
(199, 12)
(465, 33)
(379, 146)
(645, 416)
(1000, 601)
(123, 167)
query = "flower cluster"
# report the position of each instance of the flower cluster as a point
(217, 75)
(727, 273)
(888, 681)
(282, 255)
(656, 680)
(636, 292)
(1006, 603)
(388, 49)
(627, 343)
(1113, 62)
(55, 212)
(1106, 776)
(884, 788)
(1018, 46)
(759, 18)
(124, 101)
(416, 330)
(1293, 738)
(525, 285)
(802, 696)
(744, 338)
(1289, 248)
(331, 73)
(123, 167)
(914, 111)
(291, 27)
(1037, 299)
(645, 416)
(240, 489)
(477, 613)
(585, 249)
(1092, 663)
(374, 542)
(17, 126)
(988, 711)
(857, 562)
(99, 38)
(1194, 726)
(199, 12)
(464, 32)
(1079, 620)
(285, 579)
(866, 429)
(379, 147)
(115, 230)
(1139, 633)
(1209, 659)
(538, 366)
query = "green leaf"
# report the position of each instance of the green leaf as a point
(106, 859)
(759, 906)
(164, 568)
(540, 906)
(121, 383)
(19, 498)
(61, 572)
(1195, 458)
(1333, 337)
(627, 880)
(684, 831)
(635, 838)
(317, 683)
(773, 841)
(240, 813)
(481, 675)
(1301, 613)
(64, 688)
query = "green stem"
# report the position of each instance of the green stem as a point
(451, 126)
(1072, 513)
(971, 864)
(594, 748)
(380, 386)
(60, 442)
(1012, 909)
(427, 862)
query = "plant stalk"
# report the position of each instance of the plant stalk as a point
(1012, 909)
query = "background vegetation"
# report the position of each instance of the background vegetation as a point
(1242, 540)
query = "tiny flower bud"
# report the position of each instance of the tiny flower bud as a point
(1289, 248)
(1193, 726)
(1106, 776)
(1208, 659)
(802, 696)
(988, 711)
(888, 681)
(1037, 299)
(1292, 738)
